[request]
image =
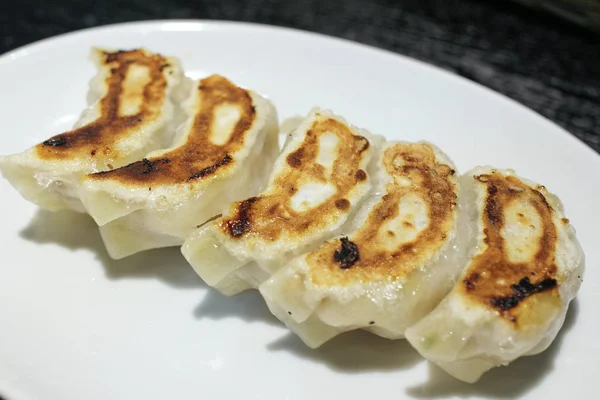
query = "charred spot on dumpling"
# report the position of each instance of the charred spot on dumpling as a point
(295, 159)
(347, 255)
(362, 143)
(360, 175)
(342, 204)
(469, 285)
(240, 224)
(526, 288)
(56, 141)
(522, 290)
(140, 169)
(211, 169)
(505, 303)
(149, 166)
(471, 281)
(494, 212)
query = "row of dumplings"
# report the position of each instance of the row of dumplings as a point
(340, 230)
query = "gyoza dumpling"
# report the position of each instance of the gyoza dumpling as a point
(316, 183)
(131, 113)
(222, 153)
(524, 268)
(397, 260)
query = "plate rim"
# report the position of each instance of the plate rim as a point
(223, 25)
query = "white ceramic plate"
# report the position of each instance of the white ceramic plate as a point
(76, 325)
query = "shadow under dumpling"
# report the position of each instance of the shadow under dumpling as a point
(248, 306)
(75, 231)
(353, 352)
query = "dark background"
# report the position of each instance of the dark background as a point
(548, 64)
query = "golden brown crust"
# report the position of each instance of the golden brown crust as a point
(492, 278)
(199, 157)
(365, 257)
(268, 216)
(98, 137)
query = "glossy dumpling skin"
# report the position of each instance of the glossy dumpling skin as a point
(132, 110)
(222, 153)
(397, 259)
(524, 268)
(316, 183)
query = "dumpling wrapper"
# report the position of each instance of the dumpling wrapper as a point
(316, 184)
(132, 111)
(400, 257)
(524, 268)
(222, 153)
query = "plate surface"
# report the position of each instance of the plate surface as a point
(76, 325)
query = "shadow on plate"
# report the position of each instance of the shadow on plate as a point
(509, 382)
(248, 306)
(354, 352)
(76, 231)
(369, 352)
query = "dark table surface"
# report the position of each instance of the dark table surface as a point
(537, 59)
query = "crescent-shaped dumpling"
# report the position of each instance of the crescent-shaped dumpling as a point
(316, 184)
(223, 152)
(133, 110)
(524, 267)
(394, 263)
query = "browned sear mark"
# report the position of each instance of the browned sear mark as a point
(148, 166)
(110, 126)
(141, 168)
(347, 255)
(342, 204)
(295, 159)
(239, 225)
(198, 157)
(360, 175)
(270, 222)
(432, 182)
(209, 170)
(493, 265)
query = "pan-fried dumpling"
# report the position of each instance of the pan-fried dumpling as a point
(316, 183)
(400, 256)
(222, 153)
(524, 268)
(131, 112)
